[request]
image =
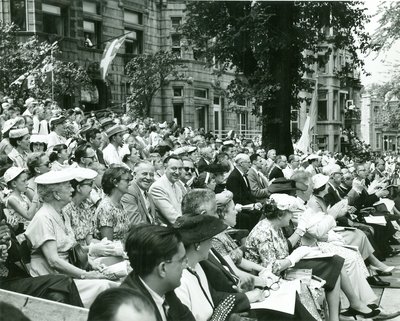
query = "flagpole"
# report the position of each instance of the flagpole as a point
(52, 74)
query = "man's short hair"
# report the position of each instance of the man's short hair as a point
(291, 158)
(192, 203)
(148, 245)
(166, 159)
(254, 157)
(106, 305)
(279, 158)
(91, 134)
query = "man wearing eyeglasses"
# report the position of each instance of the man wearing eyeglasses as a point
(188, 173)
(158, 257)
(167, 192)
(137, 202)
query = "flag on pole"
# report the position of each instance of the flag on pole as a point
(303, 144)
(30, 82)
(109, 54)
(314, 108)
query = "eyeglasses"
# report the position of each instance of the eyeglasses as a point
(183, 261)
(187, 169)
(91, 184)
(275, 286)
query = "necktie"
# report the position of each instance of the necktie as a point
(165, 307)
(246, 180)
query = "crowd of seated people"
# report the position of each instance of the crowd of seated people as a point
(130, 217)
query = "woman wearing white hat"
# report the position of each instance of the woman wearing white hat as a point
(52, 237)
(20, 141)
(20, 210)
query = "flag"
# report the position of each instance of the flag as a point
(20, 80)
(314, 108)
(109, 54)
(47, 72)
(303, 144)
(30, 82)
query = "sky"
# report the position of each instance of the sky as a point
(378, 65)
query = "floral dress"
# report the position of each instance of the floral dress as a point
(225, 245)
(109, 215)
(12, 216)
(265, 245)
(82, 219)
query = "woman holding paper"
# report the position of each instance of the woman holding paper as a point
(354, 238)
(266, 245)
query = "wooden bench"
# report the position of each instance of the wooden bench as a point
(37, 309)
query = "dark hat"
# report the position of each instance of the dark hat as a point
(198, 228)
(106, 121)
(57, 120)
(282, 185)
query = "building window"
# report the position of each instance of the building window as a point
(132, 17)
(18, 13)
(92, 32)
(378, 141)
(177, 91)
(322, 106)
(322, 64)
(176, 45)
(201, 93)
(241, 102)
(176, 22)
(54, 19)
(243, 121)
(91, 7)
(178, 108)
(216, 100)
(335, 105)
(134, 42)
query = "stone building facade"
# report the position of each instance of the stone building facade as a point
(82, 28)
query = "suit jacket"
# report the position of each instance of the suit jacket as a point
(177, 310)
(333, 196)
(276, 172)
(134, 204)
(219, 273)
(237, 185)
(258, 186)
(167, 200)
(202, 164)
(100, 157)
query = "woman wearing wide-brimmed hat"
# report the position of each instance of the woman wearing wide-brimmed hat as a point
(52, 237)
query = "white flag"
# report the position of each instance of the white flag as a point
(109, 54)
(30, 82)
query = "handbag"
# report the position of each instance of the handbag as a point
(79, 257)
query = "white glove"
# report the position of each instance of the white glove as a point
(339, 209)
(299, 253)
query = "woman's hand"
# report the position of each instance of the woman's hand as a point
(255, 295)
(101, 249)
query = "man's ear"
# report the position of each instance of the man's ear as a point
(161, 269)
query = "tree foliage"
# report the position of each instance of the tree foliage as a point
(29, 58)
(270, 45)
(147, 73)
(389, 25)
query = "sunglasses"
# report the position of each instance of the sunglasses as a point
(191, 169)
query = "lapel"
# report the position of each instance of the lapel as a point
(143, 207)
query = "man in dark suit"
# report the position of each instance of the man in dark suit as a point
(206, 154)
(94, 138)
(137, 202)
(158, 258)
(239, 185)
(276, 170)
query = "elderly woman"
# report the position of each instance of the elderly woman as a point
(112, 219)
(266, 245)
(195, 291)
(355, 237)
(52, 238)
(38, 163)
(227, 247)
(20, 141)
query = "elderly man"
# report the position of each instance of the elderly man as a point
(206, 154)
(137, 202)
(292, 166)
(111, 153)
(158, 257)
(167, 192)
(239, 185)
(278, 167)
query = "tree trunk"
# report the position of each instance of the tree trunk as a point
(276, 112)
